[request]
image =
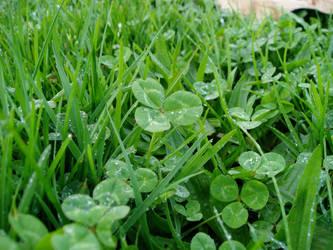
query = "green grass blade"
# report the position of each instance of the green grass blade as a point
(47, 40)
(204, 155)
(32, 185)
(286, 140)
(140, 210)
(302, 216)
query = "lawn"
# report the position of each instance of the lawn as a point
(150, 124)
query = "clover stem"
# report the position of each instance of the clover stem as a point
(284, 216)
(187, 232)
(172, 228)
(150, 149)
(252, 139)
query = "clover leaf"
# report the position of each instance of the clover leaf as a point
(249, 160)
(239, 113)
(232, 245)
(254, 194)
(202, 241)
(191, 211)
(262, 230)
(82, 208)
(271, 212)
(7, 243)
(235, 215)
(244, 119)
(208, 90)
(248, 124)
(151, 120)
(181, 108)
(269, 164)
(112, 191)
(272, 164)
(29, 228)
(224, 188)
(116, 168)
(147, 179)
(103, 229)
(149, 92)
(75, 236)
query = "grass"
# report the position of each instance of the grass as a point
(81, 166)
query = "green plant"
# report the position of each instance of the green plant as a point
(163, 125)
(182, 108)
(254, 194)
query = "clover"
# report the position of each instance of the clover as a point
(101, 211)
(269, 164)
(182, 108)
(225, 189)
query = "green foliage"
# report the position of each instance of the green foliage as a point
(182, 108)
(29, 228)
(103, 229)
(202, 241)
(147, 179)
(208, 90)
(272, 164)
(232, 245)
(75, 236)
(82, 208)
(269, 164)
(254, 194)
(116, 168)
(151, 120)
(112, 191)
(191, 211)
(149, 92)
(235, 215)
(7, 243)
(163, 125)
(249, 160)
(302, 215)
(224, 188)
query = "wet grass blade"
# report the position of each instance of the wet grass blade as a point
(302, 216)
(140, 210)
(205, 154)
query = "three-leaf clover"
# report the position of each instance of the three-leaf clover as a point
(254, 194)
(181, 108)
(107, 205)
(247, 120)
(191, 211)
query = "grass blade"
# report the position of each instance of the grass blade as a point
(303, 213)
(203, 156)
(137, 212)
